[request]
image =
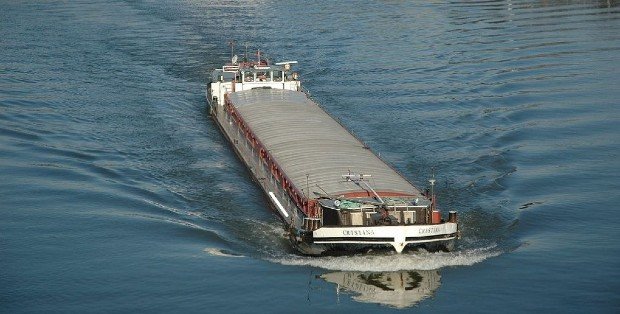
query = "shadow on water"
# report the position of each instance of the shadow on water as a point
(382, 276)
(399, 289)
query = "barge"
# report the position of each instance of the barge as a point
(331, 191)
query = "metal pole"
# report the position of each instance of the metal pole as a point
(307, 186)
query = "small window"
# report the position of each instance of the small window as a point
(277, 76)
(263, 76)
(248, 76)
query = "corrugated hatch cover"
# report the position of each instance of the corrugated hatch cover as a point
(303, 139)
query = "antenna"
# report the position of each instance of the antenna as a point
(432, 182)
(232, 48)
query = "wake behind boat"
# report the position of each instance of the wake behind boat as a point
(327, 186)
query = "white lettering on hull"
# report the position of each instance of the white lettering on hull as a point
(396, 232)
(358, 232)
(429, 230)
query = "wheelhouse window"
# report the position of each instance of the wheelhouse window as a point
(263, 76)
(248, 76)
(277, 76)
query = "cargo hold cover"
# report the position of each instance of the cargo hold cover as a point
(304, 140)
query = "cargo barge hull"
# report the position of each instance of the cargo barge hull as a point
(331, 191)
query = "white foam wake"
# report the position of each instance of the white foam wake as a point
(394, 262)
(220, 252)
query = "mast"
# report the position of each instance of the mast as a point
(432, 182)
(232, 48)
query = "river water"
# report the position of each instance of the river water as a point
(119, 194)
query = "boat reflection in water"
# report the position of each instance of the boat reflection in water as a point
(399, 289)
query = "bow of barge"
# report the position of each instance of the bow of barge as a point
(326, 185)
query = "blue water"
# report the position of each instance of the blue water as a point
(119, 194)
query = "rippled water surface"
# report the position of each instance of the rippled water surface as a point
(118, 194)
